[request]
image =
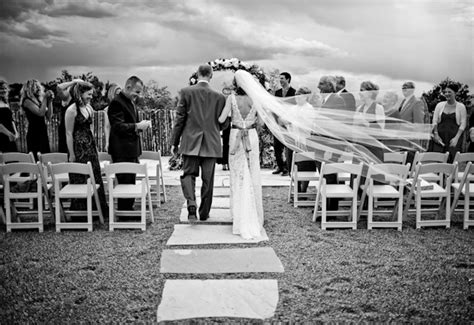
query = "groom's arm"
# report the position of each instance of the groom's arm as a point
(181, 116)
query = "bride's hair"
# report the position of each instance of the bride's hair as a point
(238, 90)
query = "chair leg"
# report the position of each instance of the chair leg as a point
(448, 210)
(40, 209)
(400, 212)
(354, 212)
(150, 204)
(418, 210)
(290, 189)
(466, 209)
(8, 210)
(316, 207)
(323, 212)
(111, 212)
(370, 211)
(143, 212)
(99, 207)
(89, 213)
(58, 213)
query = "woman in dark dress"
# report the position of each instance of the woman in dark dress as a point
(80, 141)
(471, 133)
(449, 121)
(8, 132)
(37, 105)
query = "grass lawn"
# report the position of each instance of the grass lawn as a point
(336, 275)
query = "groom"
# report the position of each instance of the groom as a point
(198, 128)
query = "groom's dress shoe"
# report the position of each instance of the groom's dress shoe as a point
(192, 213)
(203, 218)
(277, 171)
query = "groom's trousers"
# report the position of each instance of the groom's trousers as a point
(191, 165)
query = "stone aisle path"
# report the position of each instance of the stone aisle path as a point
(188, 299)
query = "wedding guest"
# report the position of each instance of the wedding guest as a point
(349, 100)
(80, 141)
(113, 91)
(411, 108)
(124, 138)
(279, 148)
(302, 97)
(449, 120)
(327, 87)
(389, 103)
(330, 100)
(63, 91)
(8, 131)
(37, 105)
(471, 133)
(368, 94)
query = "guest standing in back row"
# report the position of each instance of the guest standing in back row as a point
(279, 148)
(124, 138)
(37, 105)
(8, 131)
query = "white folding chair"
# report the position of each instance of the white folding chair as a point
(462, 159)
(36, 192)
(2, 214)
(54, 158)
(301, 176)
(465, 186)
(393, 177)
(344, 191)
(152, 160)
(428, 158)
(75, 191)
(398, 157)
(140, 190)
(441, 190)
(104, 159)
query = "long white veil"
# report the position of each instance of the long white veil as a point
(331, 133)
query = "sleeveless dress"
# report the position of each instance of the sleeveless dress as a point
(6, 119)
(85, 150)
(246, 206)
(447, 129)
(37, 134)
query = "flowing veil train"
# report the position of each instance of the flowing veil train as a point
(328, 132)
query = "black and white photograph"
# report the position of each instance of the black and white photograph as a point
(230, 162)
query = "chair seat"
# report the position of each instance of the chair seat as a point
(384, 191)
(127, 190)
(339, 190)
(456, 187)
(435, 190)
(62, 178)
(343, 177)
(425, 185)
(18, 179)
(75, 191)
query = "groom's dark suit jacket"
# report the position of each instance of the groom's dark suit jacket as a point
(197, 122)
(124, 141)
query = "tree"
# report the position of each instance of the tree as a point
(434, 96)
(155, 97)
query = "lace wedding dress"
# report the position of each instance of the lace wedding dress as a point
(244, 163)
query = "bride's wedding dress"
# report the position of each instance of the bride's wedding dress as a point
(244, 163)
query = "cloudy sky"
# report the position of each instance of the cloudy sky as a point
(165, 40)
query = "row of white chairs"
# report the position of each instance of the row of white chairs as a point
(50, 177)
(431, 177)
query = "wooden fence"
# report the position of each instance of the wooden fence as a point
(158, 137)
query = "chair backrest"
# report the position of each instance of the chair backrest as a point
(430, 157)
(152, 155)
(21, 167)
(52, 157)
(445, 170)
(14, 157)
(104, 156)
(392, 173)
(125, 168)
(71, 167)
(399, 157)
(304, 156)
(334, 168)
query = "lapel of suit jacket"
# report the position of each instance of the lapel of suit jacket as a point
(407, 104)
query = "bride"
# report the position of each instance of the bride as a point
(246, 207)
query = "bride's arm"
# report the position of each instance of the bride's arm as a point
(226, 110)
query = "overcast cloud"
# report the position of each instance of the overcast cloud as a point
(165, 40)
